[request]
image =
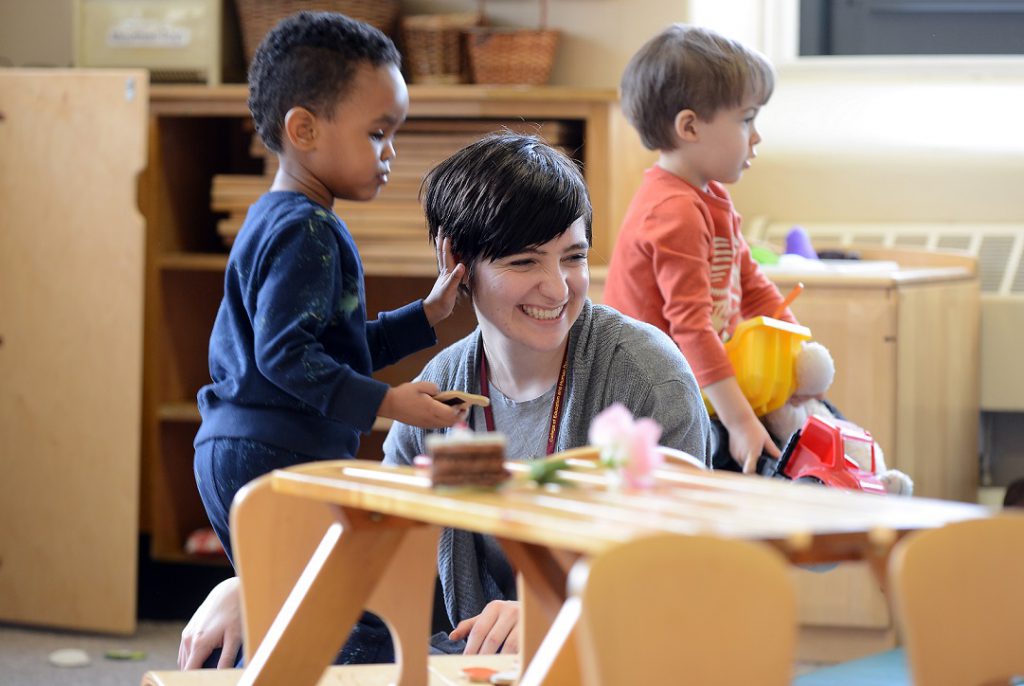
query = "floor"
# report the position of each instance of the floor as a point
(24, 655)
(167, 592)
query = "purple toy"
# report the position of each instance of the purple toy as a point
(799, 243)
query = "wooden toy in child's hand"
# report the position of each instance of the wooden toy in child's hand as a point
(456, 398)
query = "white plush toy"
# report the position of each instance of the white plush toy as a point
(815, 371)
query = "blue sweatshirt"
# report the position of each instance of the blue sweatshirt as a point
(291, 352)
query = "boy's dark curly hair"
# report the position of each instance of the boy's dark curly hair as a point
(309, 60)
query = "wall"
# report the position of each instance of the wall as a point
(598, 35)
(35, 33)
(891, 139)
(843, 138)
(846, 146)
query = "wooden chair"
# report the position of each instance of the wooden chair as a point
(678, 458)
(958, 597)
(278, 539)
(590, 454)
(685, 610)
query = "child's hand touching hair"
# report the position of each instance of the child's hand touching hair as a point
(438, 305)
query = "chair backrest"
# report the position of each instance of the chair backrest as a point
(591, 453)
(958, 597)
(678, 458)
(685, 610)
(277, 534)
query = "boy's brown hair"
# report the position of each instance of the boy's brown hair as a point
(689, 68)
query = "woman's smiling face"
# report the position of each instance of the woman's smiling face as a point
(532, 298)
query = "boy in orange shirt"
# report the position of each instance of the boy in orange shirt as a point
(680, 261)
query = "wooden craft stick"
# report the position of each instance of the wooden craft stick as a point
(460, 397)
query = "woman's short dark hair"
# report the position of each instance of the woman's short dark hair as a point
(689, 68)
(501, 195)
(309, 60)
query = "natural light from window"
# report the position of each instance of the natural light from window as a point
(852, 105)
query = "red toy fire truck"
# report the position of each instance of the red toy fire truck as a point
(819, 453)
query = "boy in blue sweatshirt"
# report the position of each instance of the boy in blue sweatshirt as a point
(292, 351)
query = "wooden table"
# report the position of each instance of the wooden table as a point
(318, 543)
(443, 670)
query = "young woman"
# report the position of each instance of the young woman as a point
(517, 214)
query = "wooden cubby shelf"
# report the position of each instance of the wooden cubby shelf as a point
(194, 262)
(204, 170)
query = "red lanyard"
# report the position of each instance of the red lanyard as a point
(556, 405)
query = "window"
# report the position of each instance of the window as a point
(911, 27)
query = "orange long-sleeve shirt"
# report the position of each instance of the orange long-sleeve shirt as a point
(681, 264)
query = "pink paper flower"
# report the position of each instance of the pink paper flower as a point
(627, 445)
(612, 425)
(644, 457)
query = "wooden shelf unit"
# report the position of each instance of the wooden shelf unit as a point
(72, 247)
(198, 132)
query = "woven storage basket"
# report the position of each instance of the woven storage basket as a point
(512, 56)
(433, 47)
(257, 17)
(517, 56)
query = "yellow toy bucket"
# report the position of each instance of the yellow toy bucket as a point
(763, 354)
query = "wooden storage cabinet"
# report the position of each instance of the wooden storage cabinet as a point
(197, 133)
(72, 143)
(906, 347)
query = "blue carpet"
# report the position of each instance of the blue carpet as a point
(884, 669)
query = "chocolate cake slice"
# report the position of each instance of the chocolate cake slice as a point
(465, 458)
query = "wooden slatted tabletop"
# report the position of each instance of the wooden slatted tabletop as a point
(317, 543)
(808, 523)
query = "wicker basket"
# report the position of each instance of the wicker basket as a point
(512, 56)
(257, 17)
(433, 47)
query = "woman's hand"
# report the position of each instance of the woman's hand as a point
(216, 624)
(438, 305)
(492, 630)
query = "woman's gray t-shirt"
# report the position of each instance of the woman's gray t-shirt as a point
(525, 424)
